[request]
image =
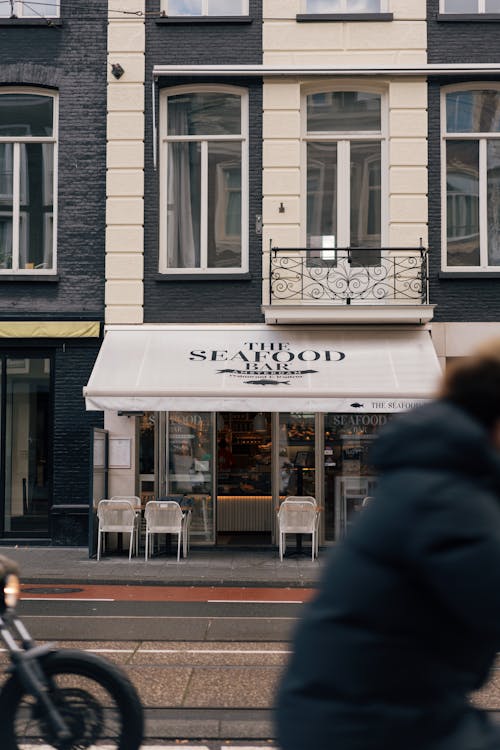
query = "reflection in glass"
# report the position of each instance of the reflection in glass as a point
(36, 209)
(343, 111)
(224, 204)
(185, 7)
(348, 474)
(27, 445)
(493, 199)
(461, 6)
(343, 6)
(492, 6)
(297, 455)
(365, 199)
(190, 468)
(475, 111)
(210, 113)
(26, 114)
(184, 205)
(462, 203)
(40, 8)
(225, 7)
(321, 193)
(6, 205)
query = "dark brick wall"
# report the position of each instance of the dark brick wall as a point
(460, 42)
(70, 58)
(458, 298)
(231, 300)
(74, 360)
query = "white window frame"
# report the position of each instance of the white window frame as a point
(483, 139)
(480, 9)
(343, 140)
(383, 9)
(17, 142)
(204, 10)
(165, 139)
(19, 10)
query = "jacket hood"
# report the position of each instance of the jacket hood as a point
(437, 435)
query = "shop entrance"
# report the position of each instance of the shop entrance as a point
(244, 493)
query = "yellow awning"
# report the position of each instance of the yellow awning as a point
(50, 329)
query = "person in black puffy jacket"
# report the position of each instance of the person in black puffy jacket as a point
(406, 621)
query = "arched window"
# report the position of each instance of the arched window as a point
(204, 192)
(471, 185)
(27, 181)
(344, 171)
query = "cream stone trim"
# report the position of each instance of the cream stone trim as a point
(124, 292)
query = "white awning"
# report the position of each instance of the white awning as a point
(258, 368)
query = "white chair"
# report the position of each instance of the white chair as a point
(310, 499)
(136, 502)
(298, 516)
(116, 516)
(163, 517)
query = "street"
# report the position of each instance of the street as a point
(205, 660)
(205, 667)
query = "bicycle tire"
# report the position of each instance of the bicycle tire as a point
(81, 685)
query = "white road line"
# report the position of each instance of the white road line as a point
(42, 598)
(260, 652)
(252, 601)
(150, 617)
(178, 746)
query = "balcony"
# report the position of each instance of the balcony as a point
(348, 285)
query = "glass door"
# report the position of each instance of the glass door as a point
(297, 455)
(244, 497)
(190, 468)
(26, 427)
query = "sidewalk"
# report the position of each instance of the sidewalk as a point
(203, 567)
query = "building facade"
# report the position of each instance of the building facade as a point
(52, 210)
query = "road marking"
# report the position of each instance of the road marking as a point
(177, 746)
(153, 617)
(138, 651)
(253, 601)
(42, 598)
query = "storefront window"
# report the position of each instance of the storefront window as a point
(190, 468)
(27, 421)
(297, 455)
(349, 477)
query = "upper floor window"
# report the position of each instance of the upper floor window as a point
(345, 183)
(205, 7)
(344, 6)
(27, 181)
(471, 188)
(29, 9)
(470, 6)
(204, 191)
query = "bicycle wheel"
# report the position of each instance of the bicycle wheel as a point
(94, 697)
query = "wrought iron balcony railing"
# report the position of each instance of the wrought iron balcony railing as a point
(349, 276)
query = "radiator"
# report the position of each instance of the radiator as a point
(238, 513)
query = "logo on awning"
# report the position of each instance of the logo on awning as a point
(266, 363)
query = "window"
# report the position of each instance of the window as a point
(471, 178)
(470, 6)
(205, 7)
(29, 9)
(204, 181)
(344, 148)
(343, 6)
(27, 181)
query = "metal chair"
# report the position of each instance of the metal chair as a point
(116, 516)
(163, 517)
(136, 502)
(298, 515)
(310, 499)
